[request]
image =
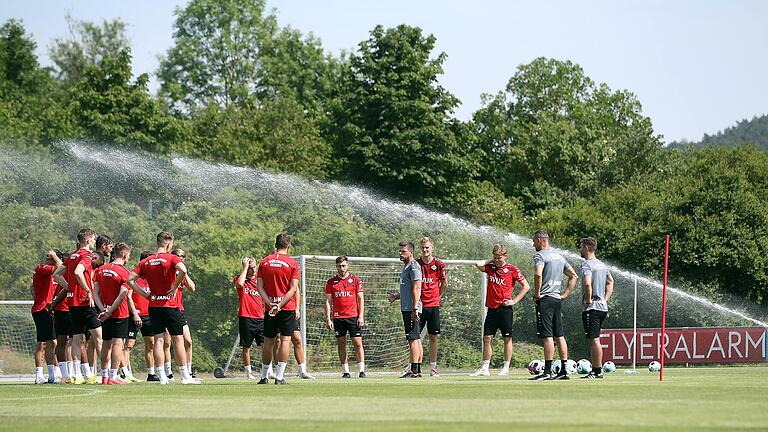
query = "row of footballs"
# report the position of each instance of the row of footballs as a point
(583, 366)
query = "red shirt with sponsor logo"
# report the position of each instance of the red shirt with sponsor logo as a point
(160, 272)
(432, 275)
(501, 282)
(75, 293)
(141, 303)
(251, 304)
(277, 271)
(42, 286)
(111, 277)
(62, 306)
(344, 293)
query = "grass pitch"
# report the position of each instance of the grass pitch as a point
(701, 399)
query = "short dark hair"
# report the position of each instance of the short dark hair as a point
(408, 244)
(163, 237)
(121, 250)
(103, 239)
(62, 255)
(144, 255)
(341, 259)
(283, 241)
(179, 252)
(96, 257)
(590, 243)
(540, 234)
(85, 234)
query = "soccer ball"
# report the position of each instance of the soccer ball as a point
(609, 367)
(535, 367)
(654, 366)
(570, 367)
(556, 365)
(584, 366)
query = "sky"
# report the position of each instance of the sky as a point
(697, 66)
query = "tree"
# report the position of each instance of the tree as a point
(88, 44)
(392, 121)
(553, 135)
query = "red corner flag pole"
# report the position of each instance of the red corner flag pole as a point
(664, 310)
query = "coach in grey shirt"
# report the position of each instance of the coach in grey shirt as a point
(597, 282)
(410, 305)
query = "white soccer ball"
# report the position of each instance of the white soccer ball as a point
(654, 366)
(556, 365)
(584, 366)
(609, 367)
(570, 367)
(535, 367)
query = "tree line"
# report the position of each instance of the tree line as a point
(553, 149)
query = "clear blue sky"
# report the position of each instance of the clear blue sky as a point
(697, 66)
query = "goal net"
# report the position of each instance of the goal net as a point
(461, 316)
(17, 337)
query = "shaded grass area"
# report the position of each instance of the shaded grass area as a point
(689, 399)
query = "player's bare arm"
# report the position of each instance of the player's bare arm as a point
(58, 298)
(58, 276)
(481, 264)
(586, 284)
(243, 273)
(360, 309)
(132, 278)
(608, 287)
(116, 304)
(80, 278)
(133, 310)
(524, 288)
(538, 271)
(97, 297)
(265, 297)
(393, 296)
(572, 279)
(415, 296)
(190, 283)
(182, 273)
(327, 308)
(298, 299)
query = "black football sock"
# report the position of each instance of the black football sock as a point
(547, 367)
(563, 362)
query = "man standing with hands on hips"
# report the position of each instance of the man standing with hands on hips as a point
(410, 305)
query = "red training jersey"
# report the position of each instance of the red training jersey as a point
(63, 305)
(111, 277)
(344, 292)
(432, 275)
(141, 303)
(75, 293)
(501, 282)
(277, 271)
(251, 304)
(42, 286)
(159, 270)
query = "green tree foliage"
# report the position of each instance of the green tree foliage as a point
(392, 120)
(753, 131)
(88, 44)
(554, 135)
(30, 113)
(112, 109)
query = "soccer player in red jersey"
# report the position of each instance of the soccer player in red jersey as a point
(42, 292)
(345, 292)
(192, 287)
(139, 311)
(164, 273)
(110, 293)
(499, 301)
(434, 281)
(62, 324)
(277, 278)
(250, 315)
(76, 274)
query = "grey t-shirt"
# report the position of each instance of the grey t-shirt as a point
(552, 276)
(411, 273)
(599, 273)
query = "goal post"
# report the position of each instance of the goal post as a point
(17, 337)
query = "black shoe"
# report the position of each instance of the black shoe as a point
(193, 375)
(558, 377)
(121, 374)
(152, 377)
(416, 375)
(280, 382)
(263, 381)
(592, 376)
(170, 376)
(540, 377)
(361, 375)
(346, 375)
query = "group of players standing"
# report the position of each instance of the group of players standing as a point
(150, 299)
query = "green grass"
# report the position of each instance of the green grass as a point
(701, 399)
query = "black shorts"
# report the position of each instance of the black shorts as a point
(593, 322)
(284, 323)
(431, 317)
(145, 329)
(44, 325)
(165, 318)
(184, 318)
(251, 330)
(412, 328)
(62, 322)
(115, 328)
(498, 319)
(343, 325)
(84, 318)
(549, 317)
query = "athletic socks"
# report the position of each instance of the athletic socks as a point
(547, 367)
(51, 372)
(597, 370)
(433, 365)
(168, 369)
(486, 365)
(184, 372)
(563, 362)
(506, 365)
(64, 370)
(361, 367)
(303, 368)
(86, 370)
(70, 368)
(248, 369)
(56, 371)
(345, 367)
(265, 369)
(76, 369)
(280, 370)
(39, 372)
(150, 371)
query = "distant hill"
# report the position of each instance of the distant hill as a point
(753, 131)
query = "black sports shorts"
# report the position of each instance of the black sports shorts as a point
(343, 325)
(412, 328)
(84, 318)
(284, 323)
(115, 328)
(431, 317)
(44, 325)
(498, 319)
(251, 329)
(549, 317)
(593, 322)
(165, 318)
